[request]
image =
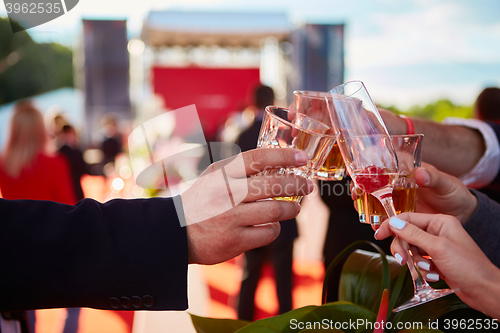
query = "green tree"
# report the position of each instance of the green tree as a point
(441, 109)
(436, 111)
(28, 68)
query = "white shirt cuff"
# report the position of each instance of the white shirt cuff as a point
(486, 169)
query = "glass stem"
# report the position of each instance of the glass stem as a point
(418, 281)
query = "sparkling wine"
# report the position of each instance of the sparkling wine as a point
(316, 148)
(334, 166)
(297, 198)
(404, 198)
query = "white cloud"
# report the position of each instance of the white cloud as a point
(435, 33)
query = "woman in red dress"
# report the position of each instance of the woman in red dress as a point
(29, 171)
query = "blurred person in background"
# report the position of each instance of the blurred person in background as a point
(343, 229)
(280, 251)
(56, 125)
(69, 147)
(487, 108)
(112, 142)
(28, 170)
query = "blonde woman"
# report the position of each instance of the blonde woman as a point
(28, 171)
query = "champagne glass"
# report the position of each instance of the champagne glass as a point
(282, 128)
(404, 195)
(313, 105)
(372, 162)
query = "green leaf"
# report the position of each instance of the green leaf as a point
(297, 320)
(212, 325)
(397, 288)
(345, 252)
(363, 277)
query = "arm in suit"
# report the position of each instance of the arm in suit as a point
(124, 254)
(133, 254)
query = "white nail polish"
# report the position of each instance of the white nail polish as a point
(399, 258)
(432, 277)
(397, 223)
(376, 232)
(424, 265)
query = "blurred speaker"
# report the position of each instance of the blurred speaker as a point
(318, 57)
(106, 71)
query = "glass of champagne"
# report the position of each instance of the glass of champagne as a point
(313, 105)
(372, 162)
(282, 128)
(404, 195)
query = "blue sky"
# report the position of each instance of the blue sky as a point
(407, 52)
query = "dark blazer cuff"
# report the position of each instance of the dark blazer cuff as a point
(484, 228)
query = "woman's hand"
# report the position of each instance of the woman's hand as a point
(455, 257)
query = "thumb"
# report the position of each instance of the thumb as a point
(430, 177)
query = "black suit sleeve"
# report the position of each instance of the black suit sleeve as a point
(484, 227)
(124, 254)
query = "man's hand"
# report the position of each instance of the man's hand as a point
(395, 125)
(453, 149)
(440, 193)
(251, 223)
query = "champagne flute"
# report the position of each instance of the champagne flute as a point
(372, 162)
(404, 195)
(313, 105)
(282, 128)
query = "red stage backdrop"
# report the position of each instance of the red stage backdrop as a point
(216, 92)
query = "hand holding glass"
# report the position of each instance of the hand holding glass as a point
(372, 162)
(282, 128)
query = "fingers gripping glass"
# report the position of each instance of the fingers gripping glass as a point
(372, 162)
(282, 128)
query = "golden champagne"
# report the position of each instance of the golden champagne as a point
(302, 140)
(333, 168)
(404, 197)
(297, 198)
(315, 146)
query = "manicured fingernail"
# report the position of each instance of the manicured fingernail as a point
(301, 157)
(399, 258)
(376, 232)
(310, 185)
(424, 265)
(432, 277)
(427, 177)
(397, 223)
